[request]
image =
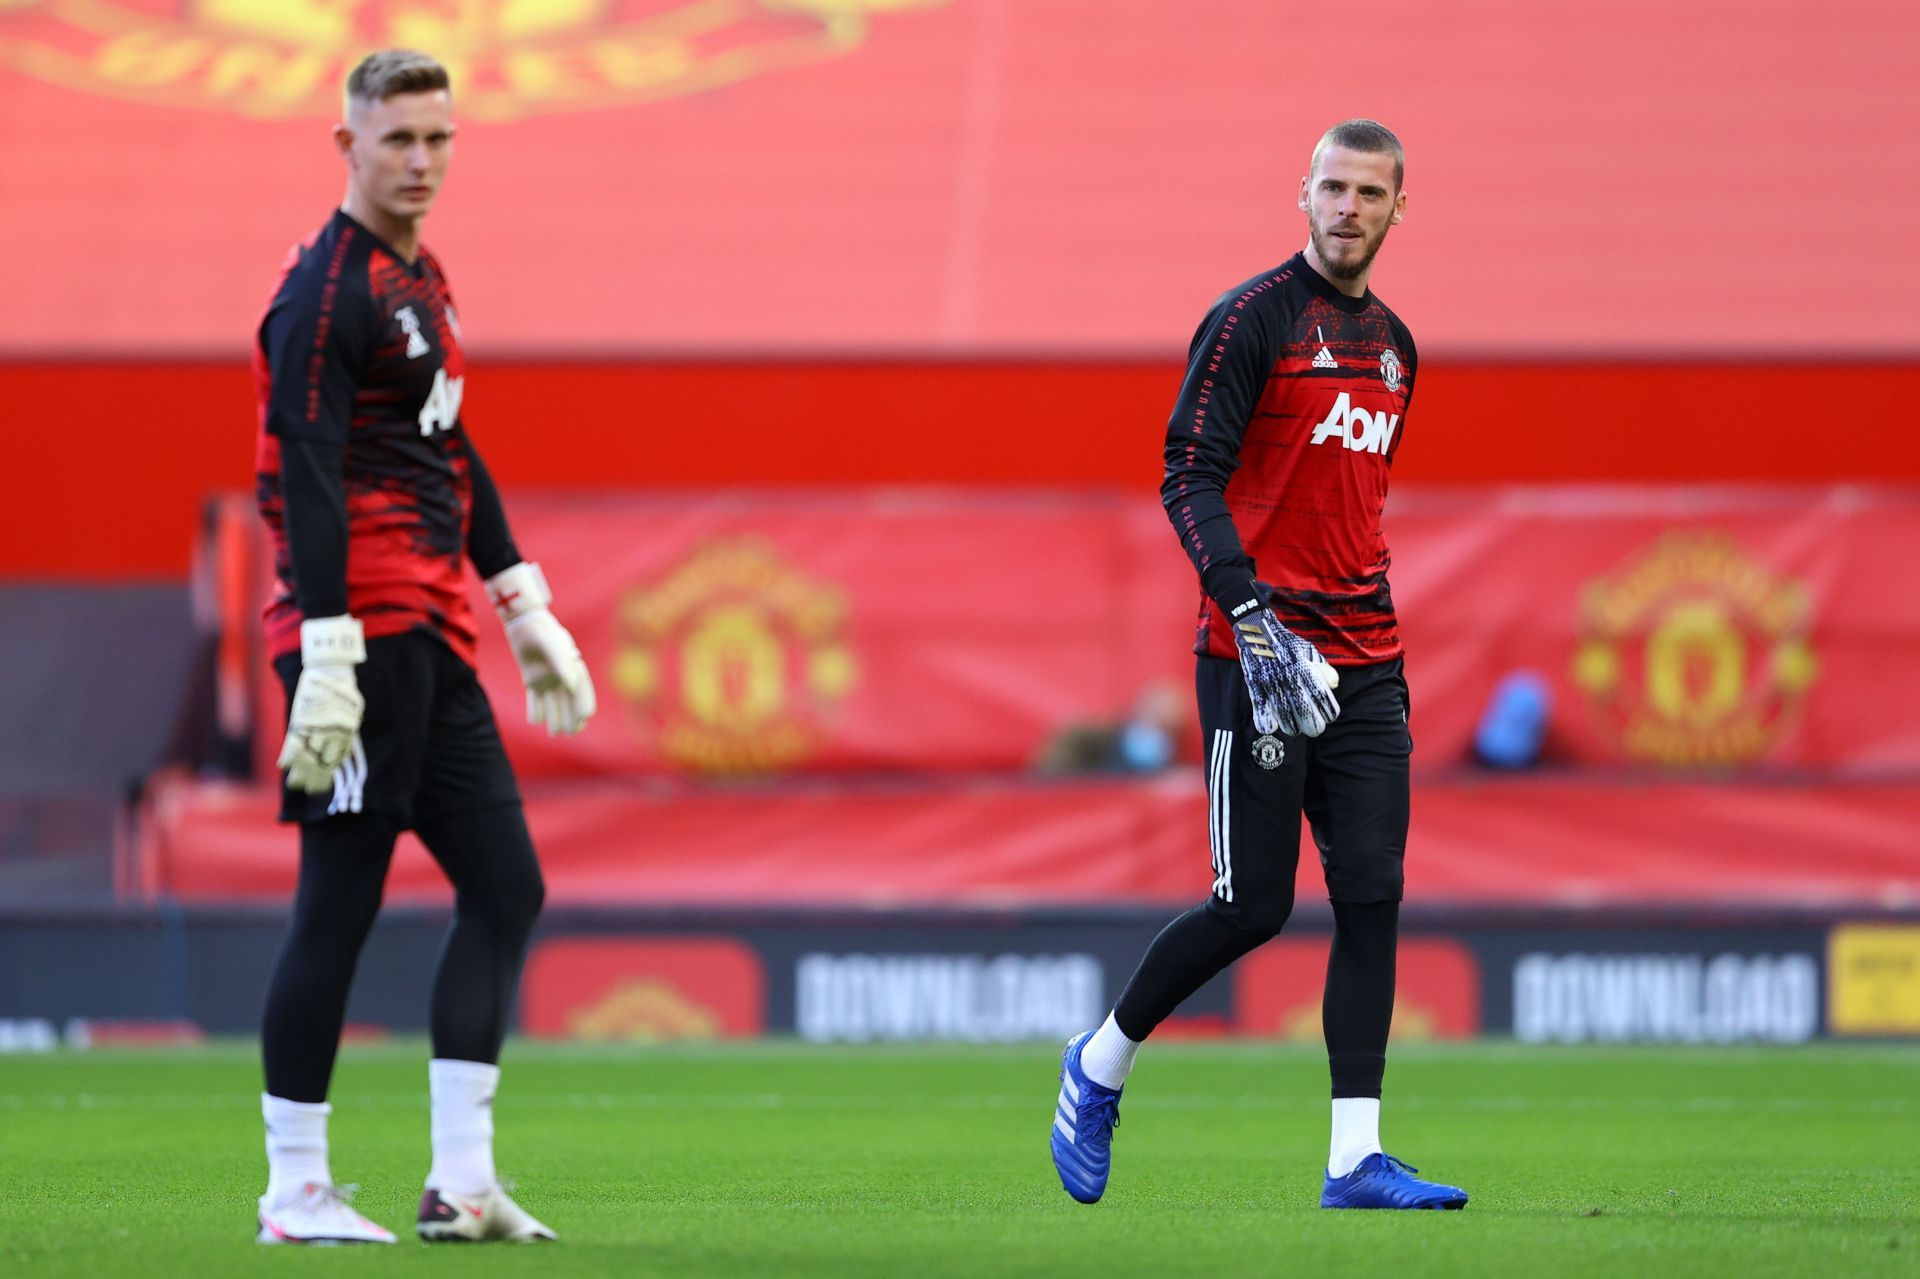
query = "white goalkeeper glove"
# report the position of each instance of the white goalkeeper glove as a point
(327, 705)
(559, 689)
(1291, 683)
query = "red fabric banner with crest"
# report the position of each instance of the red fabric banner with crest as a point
(750, 634)
(754, 634)
(1678, 628)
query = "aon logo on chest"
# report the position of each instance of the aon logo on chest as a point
(1359, 430)
(442, 408)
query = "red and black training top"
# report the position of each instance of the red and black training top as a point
(370, 489)
(1278, 454)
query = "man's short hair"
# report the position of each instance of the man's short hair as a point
(1369, 136)
(391, 72)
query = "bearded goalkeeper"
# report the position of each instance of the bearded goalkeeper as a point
(1277, 458)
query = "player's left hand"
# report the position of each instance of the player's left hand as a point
(559, 688)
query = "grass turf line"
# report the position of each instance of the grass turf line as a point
(785, 1159)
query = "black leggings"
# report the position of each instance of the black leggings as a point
(1352, 784)
(1356, 1010)
(498, 892)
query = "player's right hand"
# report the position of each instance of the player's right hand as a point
(1291, 683)
(327, 703)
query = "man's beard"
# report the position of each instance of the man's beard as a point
(1340, 269)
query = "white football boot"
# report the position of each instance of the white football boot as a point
(319, 1214)
(446, 1217)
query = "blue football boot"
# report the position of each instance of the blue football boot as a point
(1381, 1181)
(1083, 1125)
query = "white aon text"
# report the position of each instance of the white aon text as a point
(1359, 430)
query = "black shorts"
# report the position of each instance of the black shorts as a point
(1351, 782)
(427, 748)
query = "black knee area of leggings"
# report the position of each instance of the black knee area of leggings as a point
(500, 885)
(1185, 956)
(498, 895)
(1357, 1012)
(1262, 918)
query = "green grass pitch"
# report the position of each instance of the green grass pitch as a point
(782, 1159)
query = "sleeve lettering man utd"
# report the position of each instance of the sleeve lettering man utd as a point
(1277, 457)
(359, 372)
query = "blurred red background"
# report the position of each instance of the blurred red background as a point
(124, 464)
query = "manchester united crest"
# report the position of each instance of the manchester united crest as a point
(1390, 369)
(1695, 654)
(643, 1010)
(1269, 751)
(508, 58)
(734, 661)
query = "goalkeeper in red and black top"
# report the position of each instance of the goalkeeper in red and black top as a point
(376, 500)
(1277, 457)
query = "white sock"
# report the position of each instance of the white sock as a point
(1108, 1056)
(296, 1146)
(462, 1125)
(1356, 1133)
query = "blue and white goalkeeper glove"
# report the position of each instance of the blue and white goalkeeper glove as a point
(325, 715)
(1291, 683)
(559, 689)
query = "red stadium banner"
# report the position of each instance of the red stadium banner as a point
(974, 176)
(1675, 628)
(1004, 842)
(1671, 629)
(753, 634)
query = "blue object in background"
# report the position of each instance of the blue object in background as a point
(1145, 748)
(1514, 726)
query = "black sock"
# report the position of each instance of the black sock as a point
(1357, 1010)
(1186, 956)
(497, 896)
(343, 871)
